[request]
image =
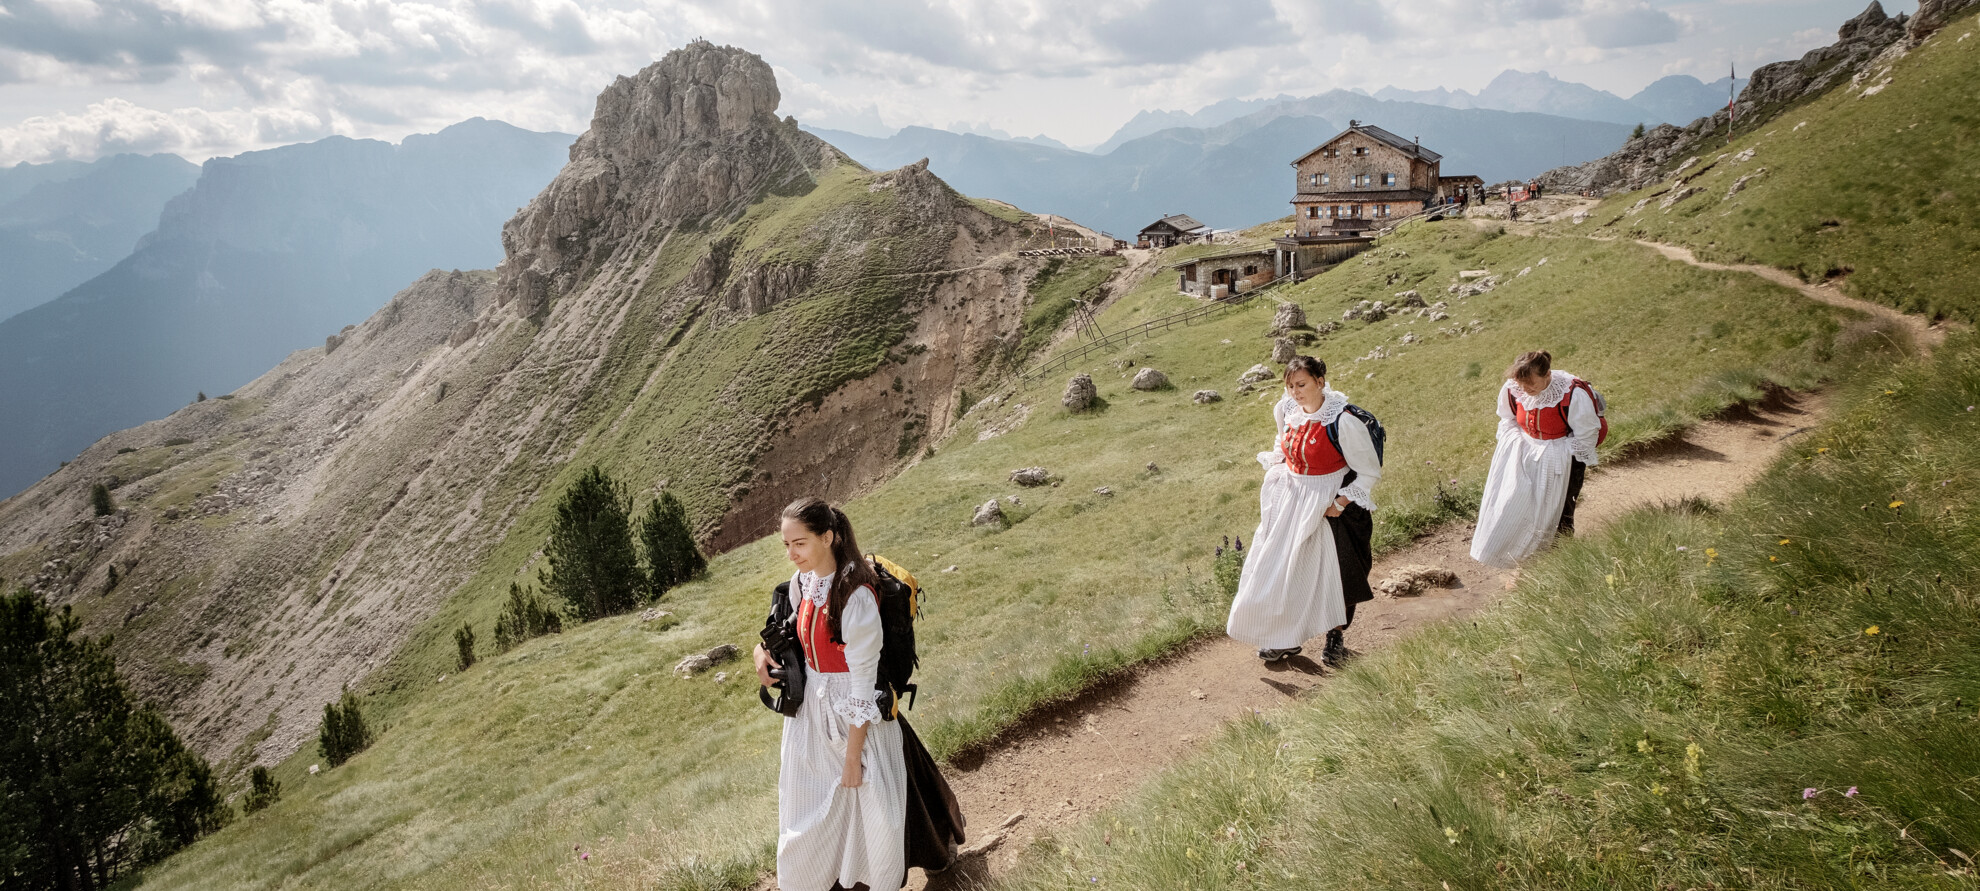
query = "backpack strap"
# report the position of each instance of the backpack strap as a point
(1578, 384)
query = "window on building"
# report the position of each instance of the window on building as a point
(1385, 210)
(1313, 179)
(1360, 150)
(1388, 179)
(1325, 179)
(1313, 212)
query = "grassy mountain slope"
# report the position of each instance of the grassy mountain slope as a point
(332, 522)
(1776, 695)
(485, 778)
(1871, 184)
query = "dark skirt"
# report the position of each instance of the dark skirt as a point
(1354, 533)
(934, 820)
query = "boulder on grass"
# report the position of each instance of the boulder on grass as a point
(1289, 316)
(1414, 579)
(1080, 393)
(1205, 397)
(1031, 476)
(990, 514)
(1283, 350)
(1150, 379)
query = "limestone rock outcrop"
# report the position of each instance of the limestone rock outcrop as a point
(692, 138)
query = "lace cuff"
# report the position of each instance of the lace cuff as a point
(1359, 495)
(1583, 452)
(857, 710)
(1267, 459)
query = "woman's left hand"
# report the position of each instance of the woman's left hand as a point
(855, 775)
(1335, 507)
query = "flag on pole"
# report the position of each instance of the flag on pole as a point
(1732, 97)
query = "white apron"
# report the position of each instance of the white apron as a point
(1527, 485)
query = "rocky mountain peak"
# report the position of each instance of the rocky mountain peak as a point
(692, 138)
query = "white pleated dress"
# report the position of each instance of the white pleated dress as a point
(1290, 589)
(827, 833)
(1527, 485)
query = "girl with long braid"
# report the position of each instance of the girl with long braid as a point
(842, 787)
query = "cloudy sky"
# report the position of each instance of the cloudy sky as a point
(84, 78)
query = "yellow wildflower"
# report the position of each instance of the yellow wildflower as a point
(1873, 630)
(1692, 753)
(1611, 579)
(1711, 554)
(1787, 541)
(1656, 788)
(1643, 745)
(1822, 451)
(1896, 504)
(1773, 559)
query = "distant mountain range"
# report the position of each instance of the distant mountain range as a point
(62, 223)
(268, 253)
(1677, 99)
(1231, 174)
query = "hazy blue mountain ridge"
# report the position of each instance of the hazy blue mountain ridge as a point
(270, 252)
(1237, 173)
(61, 224)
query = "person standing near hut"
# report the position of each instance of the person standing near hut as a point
(1549, 424)
(842, 795)
(1291, 588)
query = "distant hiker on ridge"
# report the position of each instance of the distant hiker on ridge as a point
(1309, 559)
(1549, 425)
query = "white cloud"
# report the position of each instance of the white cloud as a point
(218, 76)
(114, 126)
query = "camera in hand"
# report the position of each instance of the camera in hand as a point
(780, 640)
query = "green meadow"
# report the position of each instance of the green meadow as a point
(586, 743)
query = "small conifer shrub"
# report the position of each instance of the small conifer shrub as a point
(263, 790)
(100, 501)
(344, 733)
(526, 616)
(671, 556)
(464, 641)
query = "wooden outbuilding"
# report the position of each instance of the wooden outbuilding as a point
(1173, 230)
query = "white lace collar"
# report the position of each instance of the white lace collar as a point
(814, 588)
(1557, 387)
(1330, 408)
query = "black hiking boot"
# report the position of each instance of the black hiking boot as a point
(1336, 654)
(1271, 656)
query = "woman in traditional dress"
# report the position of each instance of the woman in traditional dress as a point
(1548, 428)
(842, 788)
(1291, 590)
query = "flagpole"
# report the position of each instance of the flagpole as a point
(1732, 97)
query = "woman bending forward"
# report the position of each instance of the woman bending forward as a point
(1548, 428)
(1290, 590)
(842, 787)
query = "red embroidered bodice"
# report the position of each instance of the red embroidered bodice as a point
(815, 631)
(1308, 450)
(1541, 423)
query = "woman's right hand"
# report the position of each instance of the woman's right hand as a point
(763, 665)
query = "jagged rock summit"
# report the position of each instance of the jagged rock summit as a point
(693, 136)
(706, 299)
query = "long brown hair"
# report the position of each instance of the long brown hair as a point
(1531, 364)
(819, 518)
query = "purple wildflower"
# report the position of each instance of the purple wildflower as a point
(1851, 793)
(1809, 793)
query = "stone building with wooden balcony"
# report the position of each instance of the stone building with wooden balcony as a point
(1351, 185)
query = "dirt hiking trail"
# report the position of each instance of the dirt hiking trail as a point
(1072, 760)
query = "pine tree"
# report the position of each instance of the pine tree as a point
(668, 546)
(100, 501)
(526, 616)
(592, 563)
(263, 790)
(1636, 133)
(464, 641)
(102, 785)
(344, 733)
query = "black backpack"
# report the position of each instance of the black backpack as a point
(1376, 434)
(900, 605)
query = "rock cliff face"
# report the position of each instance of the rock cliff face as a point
(691, 139)
(1862, 45)
(706, 299)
